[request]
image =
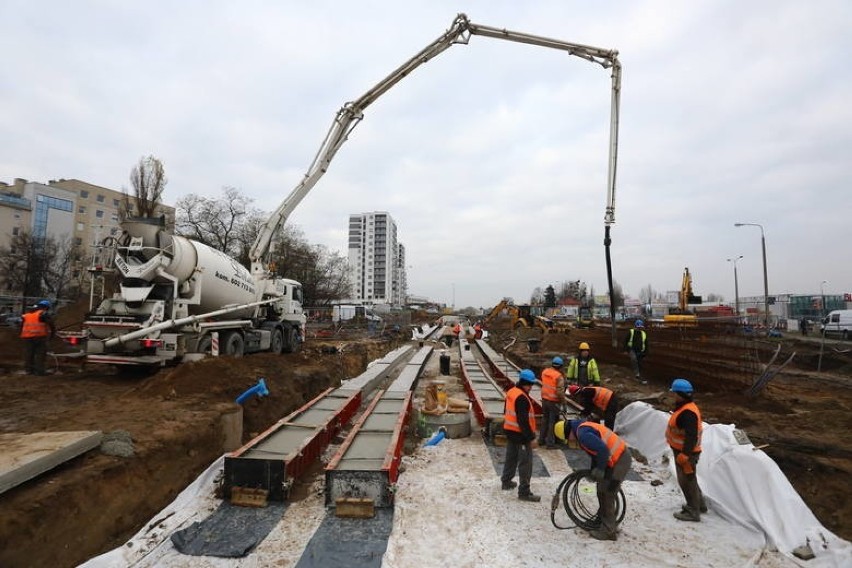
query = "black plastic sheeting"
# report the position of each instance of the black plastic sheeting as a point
(230, 532)
(349, 543)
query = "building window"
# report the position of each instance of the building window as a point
(100, 198)
(84, 194)
(81, 209)
(80, 226)
(15, 231)
(115, 203)
(78, 241)
(99, 214)
(44, 203)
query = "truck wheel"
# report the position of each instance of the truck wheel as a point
(291, 343)
(277, 344)
(233, 345)
(205, 345)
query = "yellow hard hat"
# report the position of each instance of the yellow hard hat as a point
(584, 346)
(559, 430)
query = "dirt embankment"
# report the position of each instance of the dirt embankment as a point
(95, 502)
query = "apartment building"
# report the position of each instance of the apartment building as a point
(65, 209)
(376, 259)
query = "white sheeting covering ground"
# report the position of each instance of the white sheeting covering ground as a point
(450, 511)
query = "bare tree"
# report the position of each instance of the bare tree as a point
(227, 223)
(148, 179)
(36, 267)
(647, 294)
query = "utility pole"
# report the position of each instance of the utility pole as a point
(736, 283)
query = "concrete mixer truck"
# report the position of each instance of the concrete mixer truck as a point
(179, 300)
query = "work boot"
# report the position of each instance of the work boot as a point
(687, 514)
(602, 534)
(703, 508)
(529, 497)
(507, 485)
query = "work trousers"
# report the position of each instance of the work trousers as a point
(636, 361)
(607, 490)
(518, 457)
(550, 416)
(35, 352)
(610, 412)
(689, 485)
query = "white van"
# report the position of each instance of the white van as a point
(838, 322)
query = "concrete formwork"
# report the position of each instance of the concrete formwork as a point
(367, 464)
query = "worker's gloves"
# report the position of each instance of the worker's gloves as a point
(596, 475)
(684, 462)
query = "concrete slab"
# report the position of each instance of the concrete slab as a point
(25, 456)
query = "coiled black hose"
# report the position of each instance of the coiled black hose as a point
(584, 515)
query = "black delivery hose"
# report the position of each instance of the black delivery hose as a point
(581, 508)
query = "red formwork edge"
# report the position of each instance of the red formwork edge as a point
(311, 449)
(394, 454)
(478, 406)
(335, 460)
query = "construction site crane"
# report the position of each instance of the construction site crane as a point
(352, 113)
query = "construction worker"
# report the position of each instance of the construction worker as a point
(583, 369)
(519, 427)
(610, 463)
(36, 328)
(683, 434)
(636, 345)
(600, 401)
(552, 399)
(477, 331)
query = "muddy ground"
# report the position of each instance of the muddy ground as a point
(95, 502)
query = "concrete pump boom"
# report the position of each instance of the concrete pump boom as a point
(352, 113)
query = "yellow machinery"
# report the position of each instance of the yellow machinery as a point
(682, 315)
(507, 315)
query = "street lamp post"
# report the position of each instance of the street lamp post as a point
(822, 314)
(736, 283)
(765, 278)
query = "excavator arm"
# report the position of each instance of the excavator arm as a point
(348, 117)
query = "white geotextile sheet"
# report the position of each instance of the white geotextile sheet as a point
(741, 483)
(152, 544)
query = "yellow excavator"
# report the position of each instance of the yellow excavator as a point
(682, 315)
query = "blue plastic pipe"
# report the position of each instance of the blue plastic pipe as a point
(259, 389)
(436, 439)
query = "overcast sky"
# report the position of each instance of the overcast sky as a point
(492, 157)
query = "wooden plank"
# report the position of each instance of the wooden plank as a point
(25, 456)
(355, 508)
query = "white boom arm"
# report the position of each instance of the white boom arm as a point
(351, 113)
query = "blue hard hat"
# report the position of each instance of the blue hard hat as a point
(640, 323)
(681, 386)
(43, 304)
(558, 362)
(526, 376)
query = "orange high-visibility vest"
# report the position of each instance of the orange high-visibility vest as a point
(615, 444)
(510, 417)
(33, 327)
(457, 329)
(675, 436)
(550, 384)
(602, 397)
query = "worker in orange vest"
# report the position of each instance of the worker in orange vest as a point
(519, 427)
(552, 399)
(600, 401)
(477, 331)
(683, 434)
(36, 328)
(611, 461)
